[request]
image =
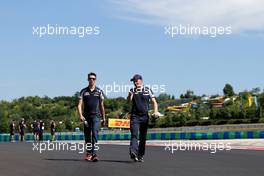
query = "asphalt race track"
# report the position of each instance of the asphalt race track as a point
(18, 159)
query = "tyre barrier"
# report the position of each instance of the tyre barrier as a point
(150, 136)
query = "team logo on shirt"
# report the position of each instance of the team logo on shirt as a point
(86, 94)
(97, 94)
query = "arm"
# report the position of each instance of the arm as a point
(155, 105)
(155, 108)
(79, 108)
(102, 111)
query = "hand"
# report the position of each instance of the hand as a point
(157, 114)
(103, 121)
(82, 119)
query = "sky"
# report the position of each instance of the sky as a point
(131, 40)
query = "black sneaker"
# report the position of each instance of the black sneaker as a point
(95, 158)
(134, 157)
(140, 159)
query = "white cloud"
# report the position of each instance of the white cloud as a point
(241, 15)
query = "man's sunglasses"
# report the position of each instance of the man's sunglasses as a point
(92, 78)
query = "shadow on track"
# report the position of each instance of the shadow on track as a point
(64, 159)
(67, 159)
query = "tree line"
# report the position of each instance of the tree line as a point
(235, 110)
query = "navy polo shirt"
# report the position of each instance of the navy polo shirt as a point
(140, 100)
(91, 101)
(22, 127)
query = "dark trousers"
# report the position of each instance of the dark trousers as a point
(91, 130)
(138, 124)
(21, 136)
(41, 136)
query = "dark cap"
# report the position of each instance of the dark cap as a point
(136, 77)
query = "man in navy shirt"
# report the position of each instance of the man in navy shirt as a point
(12, 130)
(35, 127)
(140, 96)
(90, 107)
(52, 130)
(41, 130)
(21, 128)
